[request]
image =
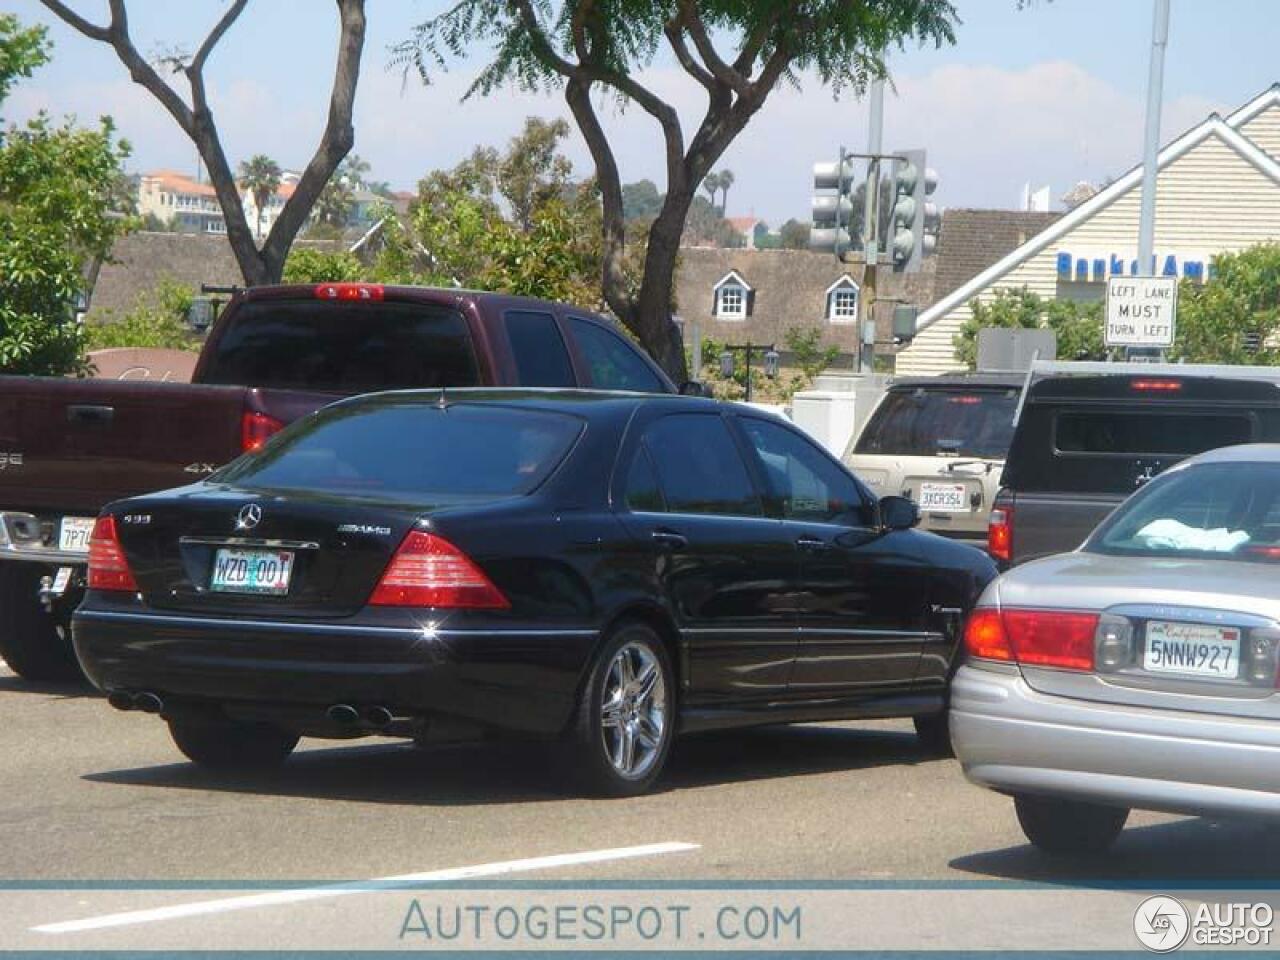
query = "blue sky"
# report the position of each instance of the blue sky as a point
(1050, 94)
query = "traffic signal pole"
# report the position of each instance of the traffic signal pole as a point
(1150, 153)
(871, 229)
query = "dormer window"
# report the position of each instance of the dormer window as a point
(842, 301)
(733, 298)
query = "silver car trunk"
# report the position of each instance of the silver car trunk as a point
(1206, 601)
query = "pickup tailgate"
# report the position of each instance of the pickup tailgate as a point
(71, 446)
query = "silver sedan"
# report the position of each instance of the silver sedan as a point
(1139, 670)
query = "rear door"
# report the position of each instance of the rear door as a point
(863, 592)
(728, 571)
(538, 349)
(612, 361)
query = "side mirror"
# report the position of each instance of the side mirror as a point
(898, 513)
(695, 388)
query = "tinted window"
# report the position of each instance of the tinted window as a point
(808, 484)
(931, 422)
(541, 359)
(1227, 510)
(1175, 432)
(409, 451)
(643, 491)
(699, 466)
(615, 364)
(349, 347)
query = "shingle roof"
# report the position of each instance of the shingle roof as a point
(972, 240)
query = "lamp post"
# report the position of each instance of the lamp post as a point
(771, 360)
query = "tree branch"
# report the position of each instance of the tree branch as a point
(77, 22)
(339, 135)
(675, 38)
(211, 41)
(542, 45)
(726, 74)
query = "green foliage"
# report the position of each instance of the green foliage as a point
(794, 235)
(1078, 326)
(1235, 317)
(22, 50)
(808, 358)
(58, 187)
(157, 319)
(260, 175)
(313, 265)
(641, 200)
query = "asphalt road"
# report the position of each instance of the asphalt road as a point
(90, 794)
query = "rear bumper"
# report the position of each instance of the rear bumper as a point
(518, 680)
(31, 538)
(1015, 740)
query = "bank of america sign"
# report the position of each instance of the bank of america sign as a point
(1091, 267)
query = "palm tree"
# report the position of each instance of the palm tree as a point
(260, 175)
(726, 181)
(712, 186)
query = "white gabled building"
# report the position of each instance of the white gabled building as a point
(1218, 190)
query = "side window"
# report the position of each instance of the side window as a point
(643, 493)
(699, 466)
(541, 358)
(615, 364)
(810, 486)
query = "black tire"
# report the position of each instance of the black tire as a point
(34, 643)
(933, 730)
(228, 745)
(595, 751)
(1069, 828)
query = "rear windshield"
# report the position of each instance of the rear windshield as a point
(405, 451)
(1224, 510)
(1146, 433)
(932, 423)
(343, 347)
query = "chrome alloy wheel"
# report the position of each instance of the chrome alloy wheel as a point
(633, 711)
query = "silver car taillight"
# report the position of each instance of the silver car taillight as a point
(1262, 650)
(1113, 643)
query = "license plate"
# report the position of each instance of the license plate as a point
(74, 534)
(252, 571)
(943, 496)
(1192, 649)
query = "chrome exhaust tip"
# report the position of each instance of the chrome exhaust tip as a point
(120, 699)
(344, 714)
(148, 702)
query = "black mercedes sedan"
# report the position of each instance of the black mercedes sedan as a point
(602, 570)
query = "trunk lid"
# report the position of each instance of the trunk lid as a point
(1221, 605)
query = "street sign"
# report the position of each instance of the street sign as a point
(1141, 311)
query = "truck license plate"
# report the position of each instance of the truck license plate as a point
(943, 496)
(1192, 649)
(74, 534)
(262, 572)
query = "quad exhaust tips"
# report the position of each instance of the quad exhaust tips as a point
(373, 718)
(145, 701)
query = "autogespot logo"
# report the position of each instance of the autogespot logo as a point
(1161, 924)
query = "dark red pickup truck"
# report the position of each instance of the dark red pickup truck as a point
(67, 447)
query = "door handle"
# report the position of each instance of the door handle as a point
(669, 539)
(813, 544)
(89, 413)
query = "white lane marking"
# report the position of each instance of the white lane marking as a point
(304, 894)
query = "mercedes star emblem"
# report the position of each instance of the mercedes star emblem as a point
(250, 516)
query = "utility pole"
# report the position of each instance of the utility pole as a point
(1151, 145)
(871, 228)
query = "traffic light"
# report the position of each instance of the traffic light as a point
(915, 218)
(832, 206)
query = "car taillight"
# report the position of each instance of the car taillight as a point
(256, 429)
(1041, 638)
(108, 567)
(1000, 533)
(1156, 386)
(429, 571)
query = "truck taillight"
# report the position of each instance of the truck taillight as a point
(367, 292)
(1000, 534)
(1038, 638)
(108, 567)
(256, 429)
(429, 571)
